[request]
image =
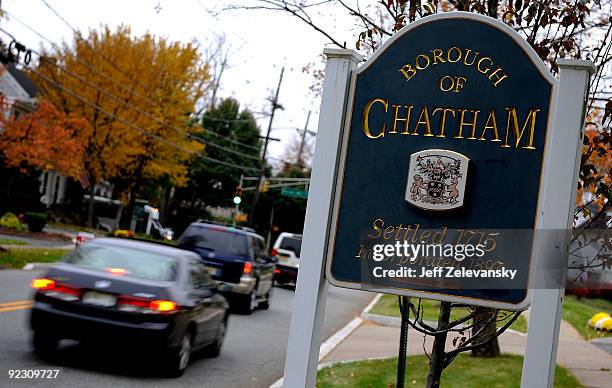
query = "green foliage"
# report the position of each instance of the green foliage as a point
(17, 258)
(210, 183)
(578, 312)
(465, 371)
(10, 221)
(35, 221)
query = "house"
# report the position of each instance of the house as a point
(20, 94)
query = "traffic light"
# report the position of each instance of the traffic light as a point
(265, 185)
(238, 195)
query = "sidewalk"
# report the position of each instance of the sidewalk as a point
(591, 365)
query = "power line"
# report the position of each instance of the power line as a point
(118, 99)
(136, 127)
(130, 90)
(77, 34)
(79, 59)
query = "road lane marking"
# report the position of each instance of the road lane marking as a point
(15, 302)
(7, 309)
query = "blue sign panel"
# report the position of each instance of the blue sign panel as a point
(441, 164)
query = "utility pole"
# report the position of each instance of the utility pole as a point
(299, 156)
(262, 162)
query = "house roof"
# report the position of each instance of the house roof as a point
(24, 81)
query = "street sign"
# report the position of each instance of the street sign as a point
(294, 193)
(443, 151)
(475, 115)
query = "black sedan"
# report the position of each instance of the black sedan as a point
(115, 292)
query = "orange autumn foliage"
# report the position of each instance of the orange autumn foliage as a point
(45, 138)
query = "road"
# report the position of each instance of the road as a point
(253, 354)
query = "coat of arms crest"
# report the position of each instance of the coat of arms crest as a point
(436, 179)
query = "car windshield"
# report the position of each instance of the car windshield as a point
(292, 244)
(215, 240)
(134, 262)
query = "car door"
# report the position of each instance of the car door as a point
(265, 266)
(208, 310)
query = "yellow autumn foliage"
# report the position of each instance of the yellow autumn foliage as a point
(136, 95)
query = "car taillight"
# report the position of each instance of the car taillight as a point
(273, 252)
(248, 268)
(145, 306)
(277, 271)
(163, 306)
(51, 289)
(42, 284)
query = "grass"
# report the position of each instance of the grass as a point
(17, 258)
(578, 312)
(465, 371)
(10, 241)
(388, 305)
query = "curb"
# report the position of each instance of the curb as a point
(330, 344)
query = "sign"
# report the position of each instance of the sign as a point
(295, 193)
(441, 161)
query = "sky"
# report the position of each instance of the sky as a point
(260, 44)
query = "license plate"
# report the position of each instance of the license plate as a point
(214, 271)
(99, 299)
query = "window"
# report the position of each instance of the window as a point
(135, 262)
(200, 278)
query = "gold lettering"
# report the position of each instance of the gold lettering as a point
(366, 118)
(467, 54)
(443, 118)
(437, 56)
(531, 119)
(499, 79)
(491, 119)
(377, 228)
(408, 71)
(480, 69)
(423, 120)
(405, 119)
(418, 66)
(441, 83)
(462, 123)
(450, 50)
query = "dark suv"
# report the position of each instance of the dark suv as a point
(237, 259)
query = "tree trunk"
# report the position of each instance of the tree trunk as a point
(436, 362)
(481, 321)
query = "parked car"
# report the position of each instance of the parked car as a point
(287, 249)
(237, 259)
(116, 292)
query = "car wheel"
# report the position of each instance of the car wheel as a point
(214, 349)
(44, 344)
(249, 303)
(179, 359)
(266, 304)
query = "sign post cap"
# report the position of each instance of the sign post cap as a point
(343, 53)
(577, 64)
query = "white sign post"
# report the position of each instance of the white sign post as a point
(561, 179)
(311, 291)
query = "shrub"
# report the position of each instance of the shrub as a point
(36, 221)
(10, 221)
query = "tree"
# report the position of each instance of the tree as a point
(136, 95)
(46, 139)
(234, 148)
(580, 29)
